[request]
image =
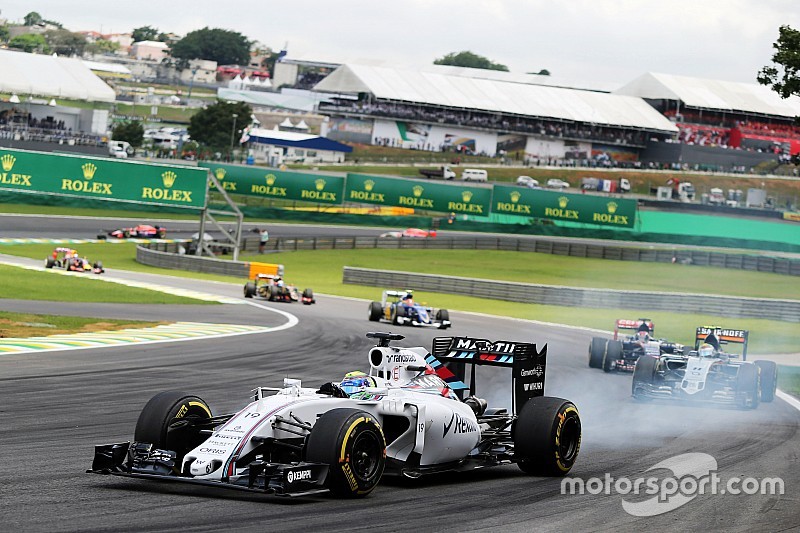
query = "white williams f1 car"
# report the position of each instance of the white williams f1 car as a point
(403, 417)
(707, 374)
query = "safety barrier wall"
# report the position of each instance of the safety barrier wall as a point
(724, 306)
(165, 255)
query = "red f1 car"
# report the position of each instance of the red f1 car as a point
(69, 260)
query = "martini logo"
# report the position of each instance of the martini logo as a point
(318, 194)
(269, 189)
(168, 178)
(8, 161)
(418, 190)
(89, 171)
(561, 211)
(610, 217)
(367, 195)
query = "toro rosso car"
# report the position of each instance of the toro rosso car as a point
(403, 417)
(275, 289)
(69, 260)
(142, 231)
(399, 308)
(622, 352)
(707, 373)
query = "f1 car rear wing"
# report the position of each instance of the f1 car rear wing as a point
(718, 336)
(526, 362)
(640, 324)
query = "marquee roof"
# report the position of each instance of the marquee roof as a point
(495, 95)
(52, 77)
(713, 94)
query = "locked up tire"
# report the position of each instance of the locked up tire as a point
(769, 379)
(748, 388)
(613, 354)
(249, 289)
(351, 443)
(168, 422)
(375, 311)
(547, 436)
(597, 350)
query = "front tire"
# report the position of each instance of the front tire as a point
(769, 379)
(375, 311)
(597, 350)
(308, 297)
(748, 387)
(547, 436)
(249, 289)
(643, 372)
(351, 442)
(613, 354)
(160, 422)
(49, 262)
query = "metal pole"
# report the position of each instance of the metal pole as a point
(233, 133)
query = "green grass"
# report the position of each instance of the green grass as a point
(26, 325)
(22, 284)
(789, 379)
(322, 271)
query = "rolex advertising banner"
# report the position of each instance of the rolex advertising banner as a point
(589, 209)
(398, 192)
(278, 184)
(102, 179)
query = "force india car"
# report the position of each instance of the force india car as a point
(69, 260)
(273, 288)
(621, 353)
(141, 231)
(399, 308)
(707, 374)
(407, 420)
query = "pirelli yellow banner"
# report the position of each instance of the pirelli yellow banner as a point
(102, 179)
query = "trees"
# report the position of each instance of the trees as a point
(29, 42)
(223, 46)
(4, 34)
(214, 125)
(65, 42)
(131, 131)
(102, 46)
(783, 76)
(468, 59)
(145, 33)
(32, 19)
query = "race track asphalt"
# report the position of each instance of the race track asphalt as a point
(57, 405)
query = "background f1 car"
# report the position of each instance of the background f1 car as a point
(621, 352)
(405, 418)
(273, 288)
(69, 260)
(141, 231)
(399, 308)
(707, 373)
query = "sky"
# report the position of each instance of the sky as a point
(608, 42)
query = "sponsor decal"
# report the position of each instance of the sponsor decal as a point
(459, 425)
(87, 186)
(351, 479)
(297, 475)
(537, 371)
(400, 358)
(561, 211)
(533, 386)
(7, 162)
(212, 451)
(168, 178)
(219, 173)
(485, 346)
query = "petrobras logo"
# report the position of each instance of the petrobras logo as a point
(298, 475)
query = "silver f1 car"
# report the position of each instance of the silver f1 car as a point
(403, 417)
(707, 374)
(622, 352)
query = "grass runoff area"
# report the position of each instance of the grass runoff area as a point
(25, 325)
(322, 271)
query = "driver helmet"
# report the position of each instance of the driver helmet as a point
(408, 296)
(643, 336)
(356, 381)
(705, 350)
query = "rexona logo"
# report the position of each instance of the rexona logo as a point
(319, 192)
(416, 200)
(367, 195)
(459, 425)
(610, 217)
(561, 211)
(226, 185)
(513, 206)
(168, 179)
(23, 180)
(270, 189)
(86, 185)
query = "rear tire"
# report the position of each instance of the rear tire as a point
(442, 315)
(547, 436)
(351, 442)
(613, 354)
(161, 233)
(769, 379)
(49, 262)
(375, 311)
(249, 289)
(748, 387)
(273, 293)
(161, 412)
(643, 372)
(597, 350)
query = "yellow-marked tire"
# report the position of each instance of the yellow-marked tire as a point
(547, 436)
(167, 422)
(351, 442)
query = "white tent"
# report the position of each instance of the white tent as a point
(301, 125)
(497, 96)
(712, 94)
(286, 123)
(51, 77)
